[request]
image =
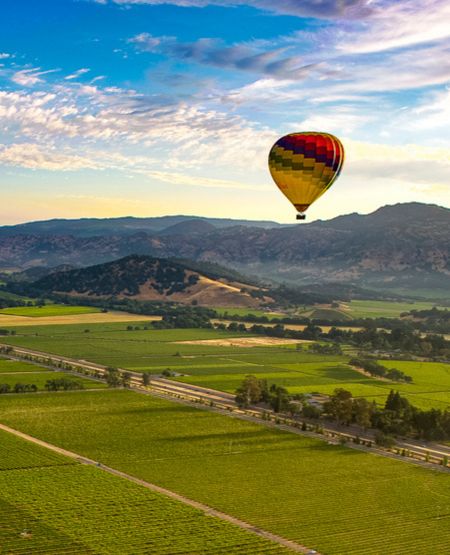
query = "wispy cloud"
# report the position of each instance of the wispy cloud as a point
(35, 157)
(303, 8)
(4, 55)
(394, 25)
(30, 77)
(241, 57)
(77, 74)
(202, 181)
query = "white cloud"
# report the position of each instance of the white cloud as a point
(77, 73)
(337, 119)
(201, 181)
(305, 8)
(30, 77)
(35, 157)
(4, 55)
(400, 24)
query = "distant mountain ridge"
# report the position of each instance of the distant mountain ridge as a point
(92, 227)
(405, 246)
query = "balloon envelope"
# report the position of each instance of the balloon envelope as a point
(305, 165)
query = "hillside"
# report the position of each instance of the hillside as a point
(400, 248)
(151, 279)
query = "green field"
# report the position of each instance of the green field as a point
(383, 309)
(13, 372)
(334, 499)
(48, 310)
(225, 367)
(15, 366)
(51, 505)
(231, 311)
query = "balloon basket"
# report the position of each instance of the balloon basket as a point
(301, 216)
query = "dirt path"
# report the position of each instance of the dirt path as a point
(293, 546)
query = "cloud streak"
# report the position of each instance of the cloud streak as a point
(30, 77)
(240, 57)
(77, 74)
(323, 9)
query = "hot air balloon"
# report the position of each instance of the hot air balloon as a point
(305, 165)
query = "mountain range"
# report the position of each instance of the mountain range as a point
(404, 247)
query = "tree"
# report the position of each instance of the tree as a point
(340, 406)
(362, 412)
(249, 392)
(279, 398)
(112, 377)
(126, 379)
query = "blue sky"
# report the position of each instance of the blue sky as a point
(146, 107)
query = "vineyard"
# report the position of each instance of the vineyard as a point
(274, 480)
(50, 505)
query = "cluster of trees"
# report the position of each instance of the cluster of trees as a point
(18, 388)
(374, 368)
(253, 391)
(7, 332)
(325, 349)
(435, 320)
(63, 384)
(372, 339)
(397, 417)
(115, 378)
(185, 317)
(398, 339)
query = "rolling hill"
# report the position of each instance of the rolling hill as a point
(146, 278)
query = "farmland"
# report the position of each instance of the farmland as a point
(20, 321)
(48, 310)
(49, 504)
(233, 311)
(382, 309)
(224, 367)
(364, 309)
(196, 452)
(13, 372)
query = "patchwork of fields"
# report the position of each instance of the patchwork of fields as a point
(224, 367)
(52, 505)
(331, 498)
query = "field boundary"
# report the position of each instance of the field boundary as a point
(209, 511)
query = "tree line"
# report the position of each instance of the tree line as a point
(398, 417)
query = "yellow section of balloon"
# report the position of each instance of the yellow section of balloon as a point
(305, 165)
